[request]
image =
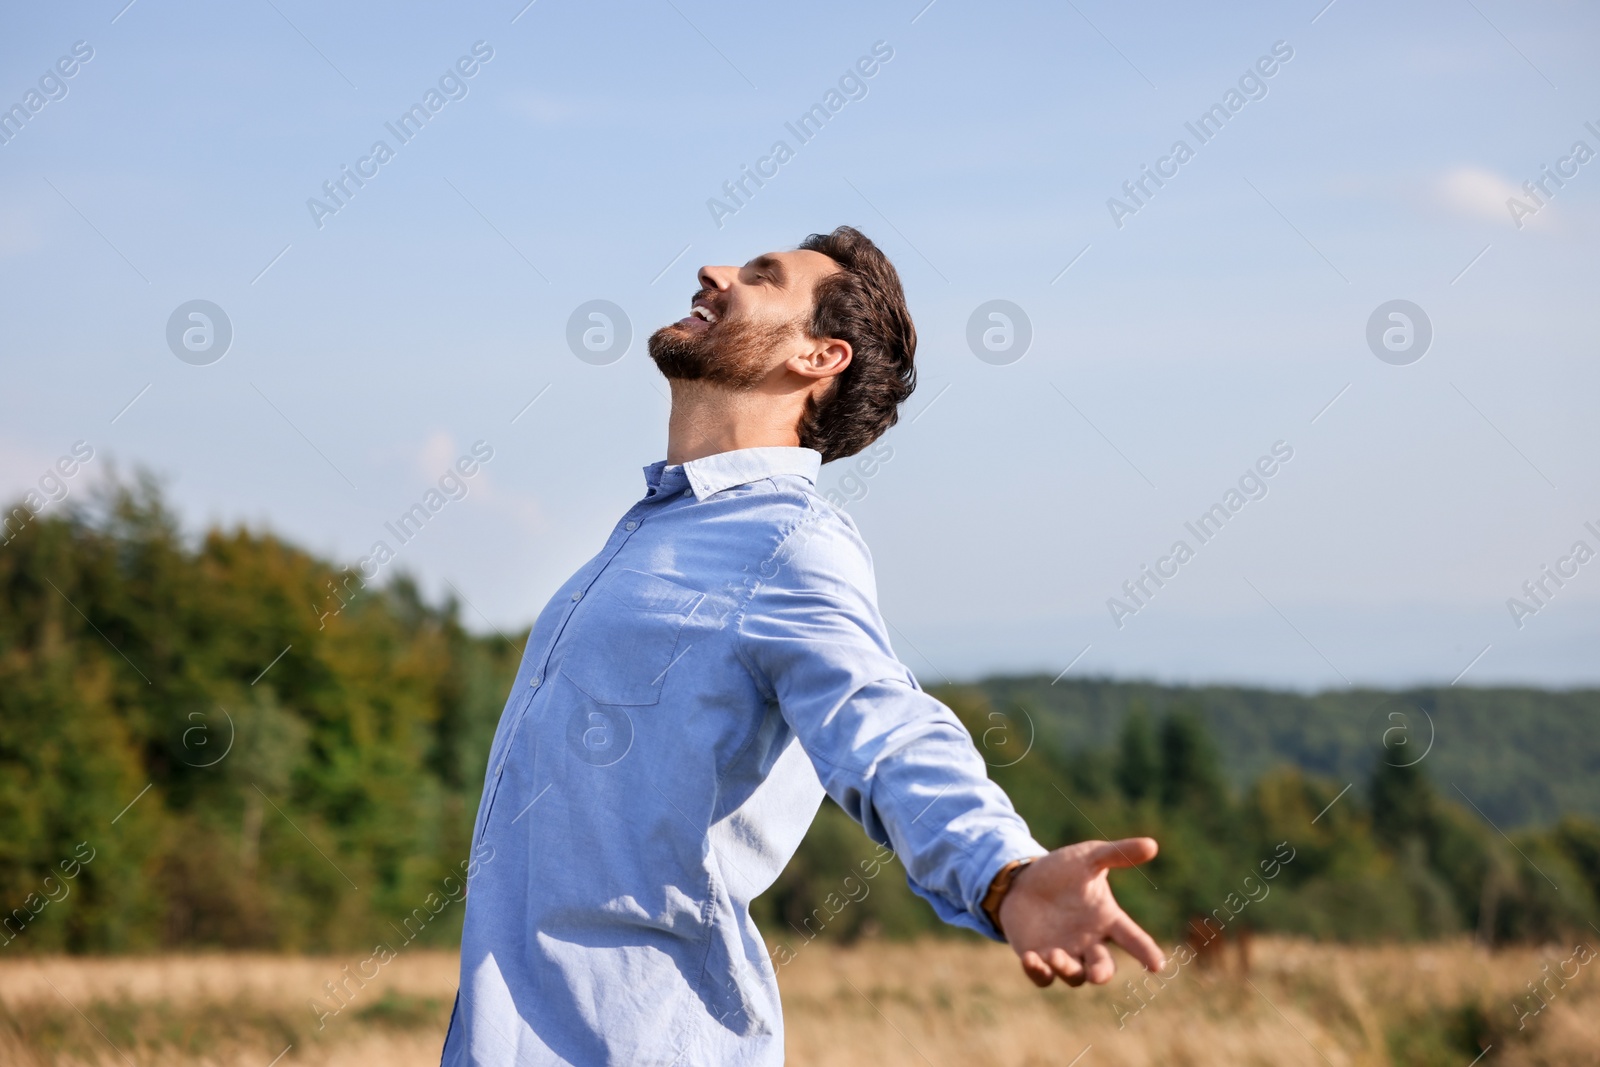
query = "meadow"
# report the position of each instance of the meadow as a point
(883, 1004)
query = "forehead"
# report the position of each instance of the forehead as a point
(802, 268)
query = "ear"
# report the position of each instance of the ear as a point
(823, 358)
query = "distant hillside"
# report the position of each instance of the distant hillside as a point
(1523, 756)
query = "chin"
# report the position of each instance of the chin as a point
(735, 354)
(672, 348)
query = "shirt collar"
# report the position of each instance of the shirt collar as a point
(713, 474)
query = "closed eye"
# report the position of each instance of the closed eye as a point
(766, 271)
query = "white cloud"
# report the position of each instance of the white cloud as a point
(1482, 194)
(437, 455)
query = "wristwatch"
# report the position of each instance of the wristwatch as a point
(999, 888)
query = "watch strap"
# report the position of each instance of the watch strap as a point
(999, 887)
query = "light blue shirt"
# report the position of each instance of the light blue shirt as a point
(683, 702)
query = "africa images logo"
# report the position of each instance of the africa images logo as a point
(199, 332)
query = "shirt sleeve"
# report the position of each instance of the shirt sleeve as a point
(897, 760)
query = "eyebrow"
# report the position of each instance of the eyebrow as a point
(773, 266)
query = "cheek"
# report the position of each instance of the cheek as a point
(761, 305)
(800, 307)
(767, 333)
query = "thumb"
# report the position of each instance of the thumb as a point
(1128, 852)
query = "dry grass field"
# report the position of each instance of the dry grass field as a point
(873, 1005)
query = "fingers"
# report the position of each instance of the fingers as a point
(1098, 964)
(1140, 945)
(1037, 970)
(1128, 852)
(1067, 966)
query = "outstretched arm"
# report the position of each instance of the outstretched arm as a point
(895, 759)
(901, 764)
(1059, 913)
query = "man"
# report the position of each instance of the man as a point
(689, 694)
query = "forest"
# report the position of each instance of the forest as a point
(195, 752)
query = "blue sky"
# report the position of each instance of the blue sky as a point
(1228, 313)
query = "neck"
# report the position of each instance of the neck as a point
(707, 419)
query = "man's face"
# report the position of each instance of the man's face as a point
(745, 322)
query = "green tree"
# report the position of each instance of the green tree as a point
(1138, 763)
(1191, 771)
(1404, 804)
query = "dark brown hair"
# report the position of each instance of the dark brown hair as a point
(863, 304)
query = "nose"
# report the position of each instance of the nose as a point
(718, 278)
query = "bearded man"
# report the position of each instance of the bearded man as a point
(688, 696)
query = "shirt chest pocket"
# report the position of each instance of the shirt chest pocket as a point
(626, 637)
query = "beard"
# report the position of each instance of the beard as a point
(735, 354)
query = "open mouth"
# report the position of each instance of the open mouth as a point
(700, 316)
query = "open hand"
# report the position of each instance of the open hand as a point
(1059, 913)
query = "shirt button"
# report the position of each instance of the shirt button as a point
(578, 595)
(533, 683)
(500, 768)
(631, 526)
